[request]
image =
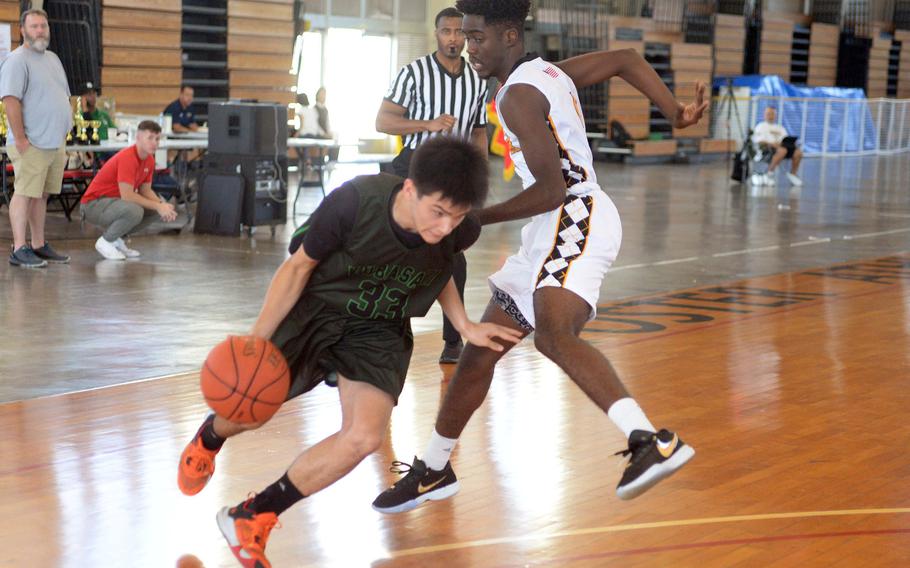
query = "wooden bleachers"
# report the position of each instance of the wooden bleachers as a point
(903, 76)
(729, 44)
(9, 14)
(260, 47)
(141, 66)
(776, 43)
(823, 43)
(877, 82)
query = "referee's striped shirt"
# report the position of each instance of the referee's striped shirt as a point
(426, 89)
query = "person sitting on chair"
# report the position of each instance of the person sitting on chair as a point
(773, 137)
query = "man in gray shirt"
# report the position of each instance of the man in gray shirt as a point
(36, 97)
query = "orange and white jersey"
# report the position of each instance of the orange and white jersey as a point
(566, 123)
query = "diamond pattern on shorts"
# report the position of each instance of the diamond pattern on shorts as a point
(574, 224)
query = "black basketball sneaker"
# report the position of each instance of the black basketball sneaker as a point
(654, 456)
(420, 484)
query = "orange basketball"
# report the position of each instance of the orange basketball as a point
(189, 561)
(245, 379)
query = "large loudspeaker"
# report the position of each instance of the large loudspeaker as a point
(251, 129)
(220, 207)
(264, 185)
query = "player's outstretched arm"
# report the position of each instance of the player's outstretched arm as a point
(288, 283)
(628, 64)
(525, 110)
(479, 334)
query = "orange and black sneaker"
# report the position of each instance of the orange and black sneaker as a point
(246, 533)
(197, 463)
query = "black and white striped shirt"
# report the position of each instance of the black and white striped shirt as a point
(426, 89)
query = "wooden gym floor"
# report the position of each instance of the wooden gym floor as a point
(768, 328)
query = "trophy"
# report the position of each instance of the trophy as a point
(2, 125)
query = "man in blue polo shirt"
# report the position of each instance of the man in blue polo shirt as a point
(183, 118)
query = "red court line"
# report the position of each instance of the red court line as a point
(710, 544)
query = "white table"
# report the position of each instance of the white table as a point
(180, 142)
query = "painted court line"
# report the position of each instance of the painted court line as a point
(745, 251)
(643, 526)
(676, 261)
(878, 234)
(712, 544)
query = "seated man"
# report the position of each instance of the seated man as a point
(90, 111)
(181, 112)
(773, 137)
(183, 120)
(120, 198)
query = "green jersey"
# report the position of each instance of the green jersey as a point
(369, 267)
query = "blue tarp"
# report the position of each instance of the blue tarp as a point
(848, 121)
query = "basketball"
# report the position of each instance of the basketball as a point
(189, 561)
(245, 379)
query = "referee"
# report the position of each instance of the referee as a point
(438, 93)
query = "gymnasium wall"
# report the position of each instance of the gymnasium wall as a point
(9, 14)
(141, 65)
(260, 47)
(142, 69)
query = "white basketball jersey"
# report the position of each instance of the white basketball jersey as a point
(565, 121)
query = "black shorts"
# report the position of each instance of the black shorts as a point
(318, 340)
(790, 144)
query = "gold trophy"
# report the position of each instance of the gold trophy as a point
(76, 133)
(3, 130)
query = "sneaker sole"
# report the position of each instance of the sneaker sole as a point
(436, 495)
(21, 265)
(190, 486)
(656, 474)
(106, 257)
(226, 526)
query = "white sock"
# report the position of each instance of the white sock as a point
(628, 416)
(439, 449)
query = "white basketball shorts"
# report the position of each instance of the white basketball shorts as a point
(571, 247)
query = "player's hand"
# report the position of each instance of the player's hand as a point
(442, 123)
(687, 115)
(482, 334)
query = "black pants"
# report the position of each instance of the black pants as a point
(400, 166)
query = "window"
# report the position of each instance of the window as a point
(309, 77)
(357, 75)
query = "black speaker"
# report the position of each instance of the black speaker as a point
(264, 184)
(252, 129)
(220, 206)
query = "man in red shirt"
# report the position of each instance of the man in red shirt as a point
(120, 198)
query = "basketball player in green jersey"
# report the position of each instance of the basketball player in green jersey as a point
(378, 251)
(552, 284)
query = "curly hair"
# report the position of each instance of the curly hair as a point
(513, 12)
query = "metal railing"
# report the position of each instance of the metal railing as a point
(824, 127)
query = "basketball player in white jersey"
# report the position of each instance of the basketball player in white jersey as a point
(549, 286)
